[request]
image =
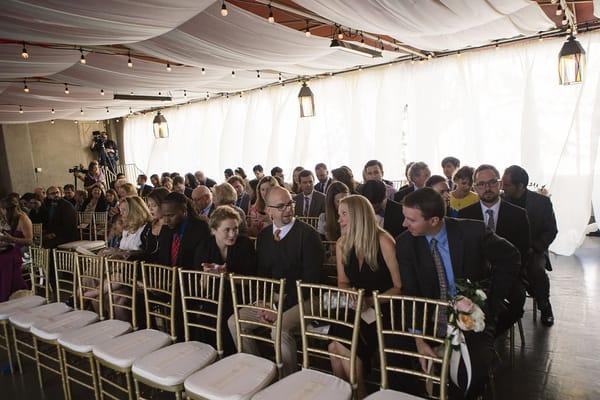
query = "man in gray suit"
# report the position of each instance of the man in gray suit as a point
(309, 203)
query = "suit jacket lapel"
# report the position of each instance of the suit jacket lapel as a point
(455, 243)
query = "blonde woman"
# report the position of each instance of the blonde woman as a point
(257, 217)
(135, 216)
(225, 195)
(366, 259)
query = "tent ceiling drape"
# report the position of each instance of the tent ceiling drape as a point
(192, 34)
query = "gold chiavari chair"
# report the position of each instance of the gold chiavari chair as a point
(46, 333)
(312, 221)
(37, 235)
(410, 318)
(76, 346)
(85, 224)
(38, 268)
(326, 305)
(241, 375)
(100, 226)
(22, 321)
(118, 354)
(202, 301)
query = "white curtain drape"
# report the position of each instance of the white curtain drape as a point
(496, 106)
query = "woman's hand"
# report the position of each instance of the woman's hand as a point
(215, 268)
(426, 350)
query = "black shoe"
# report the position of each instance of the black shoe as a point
(547, 316)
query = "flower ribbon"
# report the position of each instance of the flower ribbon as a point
(458, 340)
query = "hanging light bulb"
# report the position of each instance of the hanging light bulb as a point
(168, 67)
(130, 111)
(76, 122)
(185, 93)
(271, 17)
(66, 89)
(160, 127)
(280, 77)
(107, 110)
(97, 121)
(224, 11)
(340, 34)
(52, 121)
(52, 111)
(307, 101)
(307, 33)
(102, 92)
(25, 88)
(118, 120)
(541, 38)
(258, 74)
(129, 62)
(233, 74)
(82, 58)
(565, 21)
(559, 10)
(20, 109)
(203, 71)
(24, 53)
(571, 62)
(207, 95)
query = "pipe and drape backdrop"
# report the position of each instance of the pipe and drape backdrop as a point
(499, 106)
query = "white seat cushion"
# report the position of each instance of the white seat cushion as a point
(170, 365)
(56, 326)
(237, 377)
(11, 307)
(26, 318)
(307, 384)
(392, 395)
(84, 244)
(122, 351)
(84, 339)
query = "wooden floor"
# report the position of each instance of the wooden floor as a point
(558, 363)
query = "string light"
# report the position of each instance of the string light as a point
(412, 60)
(52, 111)
(168, 67)
(20, 109)
(233, 74)
(565, 21)
(129, 62)
(340, 34)
(271, 17)
(66, 89)
(24, 53)
(207, 95)
(362, 38)
(224, 11)
(81, 111)
(25, 88)
(541, 38)
(76, 122)
(307, 33)
(185, 93)
(118, 120)
(52, 121)
(458, 54)
(107, 110)
(203, 71)
(130, 111)
(82, 58)
(280, 77)
(559, 10)
(97, 121)
(258, 74)
(102, 92)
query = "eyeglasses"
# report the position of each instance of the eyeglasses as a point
(282, 207)
(491, 184)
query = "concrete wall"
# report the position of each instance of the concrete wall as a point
(52, 147)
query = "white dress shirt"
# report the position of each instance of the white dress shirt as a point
(495, 208)
(283, 230)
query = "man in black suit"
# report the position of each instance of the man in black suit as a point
(417, 175)
(450, 165)
(243, 198)
(323, 177)
(143, 189)
(60, 225)
(509, 222)
(181, 234)
(435, 246)
(203, 180)
(388, 212)
(309, 203)
(542, 224)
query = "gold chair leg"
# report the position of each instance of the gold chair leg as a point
(61, 363)
(66, 373)
(178, 395)
(7, 342)
(14, 332)
(94, 377)
(137, 388)
(99, 375)
(128, 377)
(37, 362)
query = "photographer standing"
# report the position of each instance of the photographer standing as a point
(92, 176)
(106, 149)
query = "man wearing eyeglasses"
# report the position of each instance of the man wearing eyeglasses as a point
(289, 249)
(507, 221)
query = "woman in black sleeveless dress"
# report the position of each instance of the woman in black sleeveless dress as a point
(366, 259)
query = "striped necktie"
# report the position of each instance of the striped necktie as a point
(441, 274)
(490, 223)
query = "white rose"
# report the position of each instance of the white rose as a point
(481, 294)
(478, 319)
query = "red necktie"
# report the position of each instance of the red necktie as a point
(175, 248)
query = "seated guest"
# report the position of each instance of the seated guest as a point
(173, 175)
(97, 200)
(309, 202)
(258, 171)
(81, 197)
(373, 171)
(440, 185)
(243, 198)
(277, 173)
(24, 202)
(165, 175)
(433, 254)
(179, 186)
(143, 189)
(239, 171)
(69, 194)
(417, 175)
(463, 196)
(292, 250)
(252, 187)
(167, 183)
(93, 175)
(203, 180)
(365, 259)
(509, 222)
(449, 166)
(40, 193)
(61, 224)
(296, 179)
(18, 234)
(322, 177)
(228, 173)
(202, 198)
(344, 174)
(152, 228)
(155, 180)
(191, 181)
(37, 212)
(388, 213)
(328, 222)
(258, 217)
(542, 224)
(181, 235)
(406, 169)
(135, 215)
(225, 195)
(111, 198)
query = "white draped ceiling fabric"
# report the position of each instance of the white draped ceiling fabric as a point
(491, 106)
(192, 34)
